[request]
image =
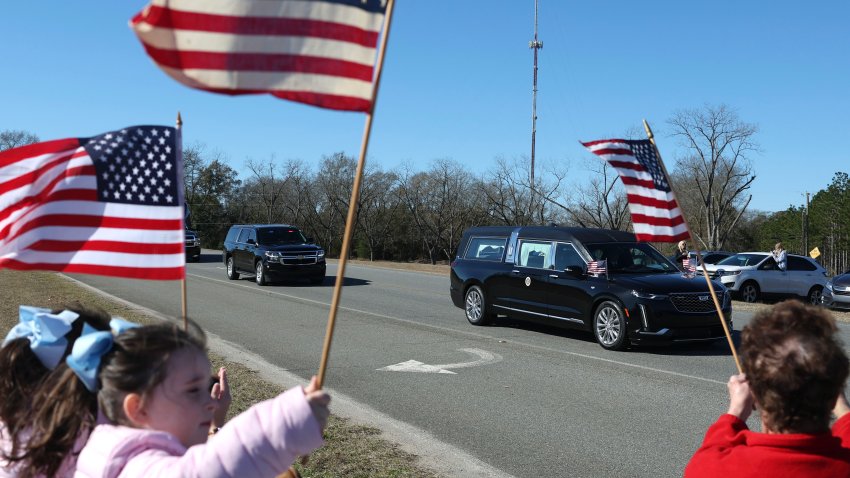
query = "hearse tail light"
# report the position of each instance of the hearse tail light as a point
(646, 295)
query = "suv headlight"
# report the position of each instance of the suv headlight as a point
(829, 286)
(320, 254)
(273, 256)
(647, 295)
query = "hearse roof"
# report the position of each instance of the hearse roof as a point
(581, 234)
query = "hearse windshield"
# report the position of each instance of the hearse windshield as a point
(631, 258)
(271, 236)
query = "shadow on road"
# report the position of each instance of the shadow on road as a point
(208, 258)
(716, 348)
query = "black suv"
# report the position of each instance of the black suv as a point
(193, 245)
(272, 252)
(541, 274)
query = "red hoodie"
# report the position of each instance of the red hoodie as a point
(730, 449)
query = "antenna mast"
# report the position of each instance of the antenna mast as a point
(534, 45)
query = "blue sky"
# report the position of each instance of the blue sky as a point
(457, 84)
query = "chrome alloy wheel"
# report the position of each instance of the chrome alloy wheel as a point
(608, 325)
(474, 305)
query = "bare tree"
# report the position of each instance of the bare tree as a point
(510, 198)
(716, 170)
(268, 185)
(13, 138)
(601, 201)
(378, 204)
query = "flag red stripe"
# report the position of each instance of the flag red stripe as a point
(630, 181)
(662, 237)
(48, 245)
(335, 102)
(651, 202)
(229, 61)
(153, 273)
(244, 25)
(37, 149)
(46, 197)
(590, 144)
(626, 165)
(77, 220)
(33, 176)
(658, 221)
(611, 151)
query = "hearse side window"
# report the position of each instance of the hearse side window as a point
(566, 255)
(486, 248)
(535, 254)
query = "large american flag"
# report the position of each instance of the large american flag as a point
(655, 213)
(319, 52)
(108, 205)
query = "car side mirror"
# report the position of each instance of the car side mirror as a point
(575, 271)
(251, 241)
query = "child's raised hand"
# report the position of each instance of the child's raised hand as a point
(220, 393)
(318, 400)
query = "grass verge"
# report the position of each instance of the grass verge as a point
(350, 450)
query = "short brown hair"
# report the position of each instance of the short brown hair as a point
(795, 365)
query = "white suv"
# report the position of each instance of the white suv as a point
(752, 275)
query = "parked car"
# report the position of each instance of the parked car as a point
(709, 257)
(193, 245)
(272, 252)
(753, 275)
(541, 274)
(836, 294)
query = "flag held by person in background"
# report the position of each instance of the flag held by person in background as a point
(318, 52)
(597, 268)
(689, 266)
(107, 205)
(655, 213)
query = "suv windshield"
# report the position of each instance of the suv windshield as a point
(631, 258)
(270, 236)
(742, 260)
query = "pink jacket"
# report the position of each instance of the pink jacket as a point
(262, 441)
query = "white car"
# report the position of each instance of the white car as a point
(753, 275)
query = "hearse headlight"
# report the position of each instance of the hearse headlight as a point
(273, 256)
(647, 295)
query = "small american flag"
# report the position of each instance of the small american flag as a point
(688, 265)
(597, 267)
(319, 52)
(108, 205)
(655, 213)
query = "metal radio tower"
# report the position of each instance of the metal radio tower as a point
(534, 45)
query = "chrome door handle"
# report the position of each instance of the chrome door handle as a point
(554, 276)
(514, 271)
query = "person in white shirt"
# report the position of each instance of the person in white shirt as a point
(780, 256)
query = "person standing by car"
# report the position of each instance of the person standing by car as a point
(795, 369)
(681, 254)
(780, 256)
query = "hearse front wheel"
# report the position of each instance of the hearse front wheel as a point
(476, 307)
(609, 326)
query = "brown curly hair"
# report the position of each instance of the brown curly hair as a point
(796, 366)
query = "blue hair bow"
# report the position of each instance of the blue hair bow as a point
(45, 331)
(91, 347)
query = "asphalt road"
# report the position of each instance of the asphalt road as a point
(527, 400)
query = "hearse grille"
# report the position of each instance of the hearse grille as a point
(697, 302)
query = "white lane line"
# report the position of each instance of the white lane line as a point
(470, 334)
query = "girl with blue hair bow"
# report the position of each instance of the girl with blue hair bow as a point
(31, 350)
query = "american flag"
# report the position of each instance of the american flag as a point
(319, 52)
(108, 205)
(688, 265)
(655, 213)
(597, 267)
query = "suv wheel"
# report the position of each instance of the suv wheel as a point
(609, 326)
(816, 295)
(261, 274)
(476, 307)
(231, 269)
(750, 292)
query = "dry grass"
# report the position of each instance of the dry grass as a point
(350, 451)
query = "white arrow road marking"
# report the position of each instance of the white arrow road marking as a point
(484, 357)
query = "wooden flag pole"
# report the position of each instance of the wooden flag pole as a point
(183, 296)
(699, 256)
(355, 195)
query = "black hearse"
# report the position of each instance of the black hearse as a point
(540, 273)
